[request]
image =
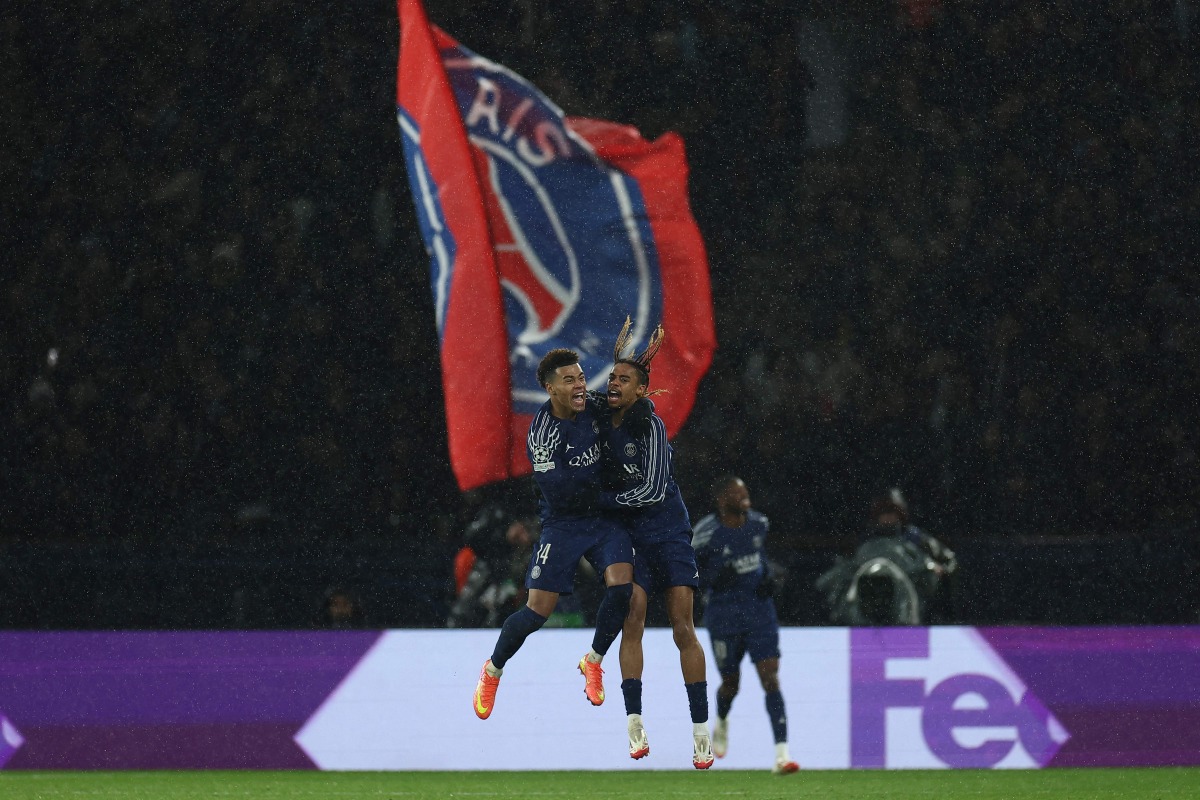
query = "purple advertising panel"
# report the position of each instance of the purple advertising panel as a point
(1129, 696)
(874, 698)
(166, 700)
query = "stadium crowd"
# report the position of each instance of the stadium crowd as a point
(216, 321)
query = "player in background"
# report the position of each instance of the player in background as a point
(564, 448)
(638, 463)
(740, 612)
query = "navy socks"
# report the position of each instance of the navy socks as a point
(516, 629)
(698, 700)
(778, 715)
(610, 616)
(632, 689)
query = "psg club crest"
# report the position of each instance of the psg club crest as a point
(570, 234)
(542, 231)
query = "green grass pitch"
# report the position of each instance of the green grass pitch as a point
(1085, 784)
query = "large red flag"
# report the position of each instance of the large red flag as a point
(543, 231)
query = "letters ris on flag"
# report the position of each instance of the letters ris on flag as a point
(543, 231)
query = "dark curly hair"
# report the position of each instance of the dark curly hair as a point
(558, 357)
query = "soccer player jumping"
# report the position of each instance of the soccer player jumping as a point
(564, 448)
(740, 613)
(638, 459)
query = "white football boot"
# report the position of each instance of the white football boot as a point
(639, 745)
(720, 737)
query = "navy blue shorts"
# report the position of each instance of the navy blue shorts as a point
(661, 565)
(557, 551)
(761, 642)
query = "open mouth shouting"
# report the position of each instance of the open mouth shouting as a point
(623, 386)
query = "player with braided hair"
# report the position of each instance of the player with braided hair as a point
(637, 459)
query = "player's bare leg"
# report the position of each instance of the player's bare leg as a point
(542, 602)
(679, 613)
(691, 661)
(631, 635)
(631, 672)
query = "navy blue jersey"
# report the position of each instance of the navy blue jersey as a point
(565, 454)
(642, 481)
(744, 550)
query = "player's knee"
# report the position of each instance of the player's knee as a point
(768, 675)
(542, 603)
(684, 635)
(729, 686)
(618, 574)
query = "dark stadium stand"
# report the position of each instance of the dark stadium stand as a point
(978, 282)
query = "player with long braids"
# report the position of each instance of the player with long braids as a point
(637, 459)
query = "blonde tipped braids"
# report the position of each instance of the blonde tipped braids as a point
(624, 351)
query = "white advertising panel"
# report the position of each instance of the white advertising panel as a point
(918, 697)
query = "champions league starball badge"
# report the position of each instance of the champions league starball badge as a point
(542, 460)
